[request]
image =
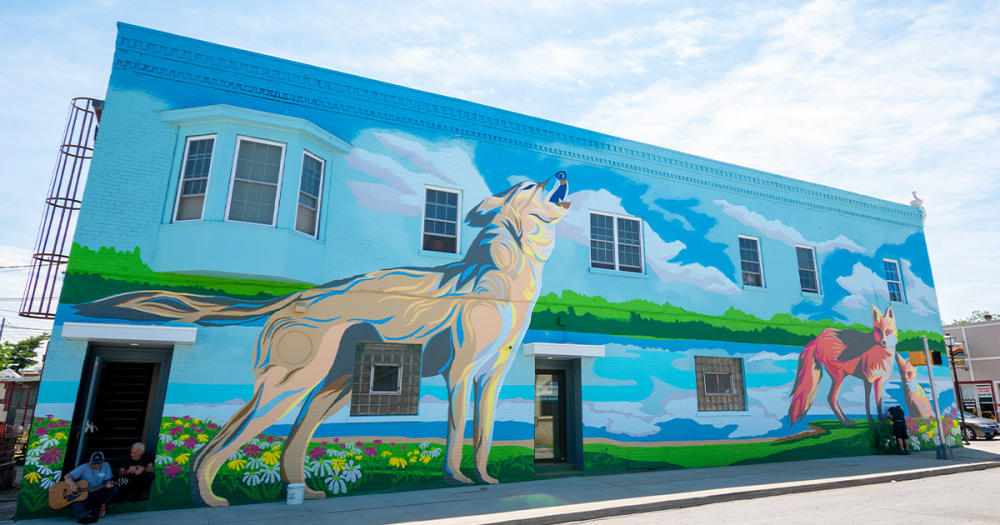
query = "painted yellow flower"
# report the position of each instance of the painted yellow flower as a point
(397, 462)
(195, 421)
(338, 463)
(386, 453)
(270, 457)
(32, 477)
(182, 458)
(413, 453)
(59, 435)
(359, 458)
(182, 437)
(237, 464)
(179, 422)
(425, 459)
(202, 438)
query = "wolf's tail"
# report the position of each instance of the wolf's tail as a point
(205, 310)
(806, 382)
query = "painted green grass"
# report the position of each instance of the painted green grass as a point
(836, 440)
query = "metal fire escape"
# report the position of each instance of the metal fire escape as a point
(65, 191)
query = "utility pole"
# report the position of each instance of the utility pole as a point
(3, 322)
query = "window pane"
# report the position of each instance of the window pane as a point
(441, 221)
(385, 378)
(305, 222)
(601, 228)
(807, 280)
(189, 208)
(258, 162)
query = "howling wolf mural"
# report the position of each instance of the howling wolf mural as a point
(468, 316)
(865, 355)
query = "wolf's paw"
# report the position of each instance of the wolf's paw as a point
(457, 479)
(314, 494)
(483, 477)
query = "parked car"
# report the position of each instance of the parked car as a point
(976, 427)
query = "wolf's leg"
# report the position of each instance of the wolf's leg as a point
(838, 381)
(868, 402)
(324, 403)
(487, 390)
(458, 401)
(269, 403)
(879, 386)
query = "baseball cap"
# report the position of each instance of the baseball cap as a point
(96, 458)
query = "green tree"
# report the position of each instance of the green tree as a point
(977, 316)
(20, 355)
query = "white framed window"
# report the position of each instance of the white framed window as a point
(256, 179)
(720, 384)
(893, 280)
(750, 262)
(808, 277)
(440, 225)
(616, 242)
(310, 192)
(195, 167)
(386, 378)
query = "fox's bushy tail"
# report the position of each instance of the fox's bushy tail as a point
(806, 382)
(207, 310)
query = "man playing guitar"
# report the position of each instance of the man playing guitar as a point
(95, 473)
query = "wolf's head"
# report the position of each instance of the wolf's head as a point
(528, 212)
(884, 327)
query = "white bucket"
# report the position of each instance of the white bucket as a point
(296, 491)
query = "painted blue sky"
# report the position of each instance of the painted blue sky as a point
(869, 97)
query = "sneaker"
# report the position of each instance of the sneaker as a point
(88, 519)
(102, 512)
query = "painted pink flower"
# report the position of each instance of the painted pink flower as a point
(41, 431)
(317, 452)
(404, 447)
(176, 430)
(186, 418)
(370, 452)
(172, 470)
(197, 430)
(49, 416)
(377, 442)
(270, 439)
(323, 443)
(336, 440)
(191, 442)
(51, 456)
(358, 444)
(212, 426)
(169, 447)
(252, 450)
(55, 423)
(392, 444)
(343, 446)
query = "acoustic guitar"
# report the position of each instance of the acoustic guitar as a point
(60, 496)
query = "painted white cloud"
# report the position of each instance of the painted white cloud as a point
(658, 252)
(403, 165)
(864, 285)
(779, 231)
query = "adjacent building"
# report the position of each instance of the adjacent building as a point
(979, 373)
(285, 274)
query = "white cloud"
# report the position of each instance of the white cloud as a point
(919, 295)
(658, 252)
(405, 166)
(864, 285)
(779, 231)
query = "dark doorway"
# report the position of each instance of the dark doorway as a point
(120, 402)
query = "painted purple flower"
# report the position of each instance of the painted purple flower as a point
(358, 444)
(370, 452)
(49, 416)
(172, 470)
(197, 430)
(51, 456)
(270, 439)
(336, 440)
(404, 447)
(212, 426)
(323, 443)
(169, 447)
(176, 430)
(393, 444)
(186, 418)
(377, 442)
(343, 446)
(317, 452)
(55, 423)
(41, 431)
(190, 442)
(252, 450)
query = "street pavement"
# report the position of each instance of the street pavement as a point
(585, 497)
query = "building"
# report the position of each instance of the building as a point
(527, 298)
(979, 374)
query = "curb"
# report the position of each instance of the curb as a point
(590, 511)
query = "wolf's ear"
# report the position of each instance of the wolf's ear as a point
(877, 316)
(889, 314)
(483, 213)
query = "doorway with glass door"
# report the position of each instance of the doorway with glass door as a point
(558, 445)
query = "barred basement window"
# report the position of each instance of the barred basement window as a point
(386, 379)
(720, 384)
(194, 177)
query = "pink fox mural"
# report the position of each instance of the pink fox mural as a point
(865, 355)
(468, 316)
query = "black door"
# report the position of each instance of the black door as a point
(550, 416)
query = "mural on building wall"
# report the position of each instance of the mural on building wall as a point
(468, 316)
(263, 398)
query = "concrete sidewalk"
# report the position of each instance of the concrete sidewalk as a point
(578, 498)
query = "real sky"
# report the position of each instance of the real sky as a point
(876, 98)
